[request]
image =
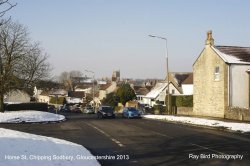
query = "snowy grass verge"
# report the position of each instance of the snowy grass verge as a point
(19, 148)
(240, 127)
(29, 117)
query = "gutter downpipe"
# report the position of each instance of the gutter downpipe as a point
(229, 86)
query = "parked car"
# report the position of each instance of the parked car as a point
(76, 109)
(64, 108)
(131, 112)
(105, 112)
(51, 108)
(89, 110)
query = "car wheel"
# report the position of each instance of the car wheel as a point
(100, 116)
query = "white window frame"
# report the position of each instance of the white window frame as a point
(217, 73)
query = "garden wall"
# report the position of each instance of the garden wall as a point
(185, 111)
(236, 113)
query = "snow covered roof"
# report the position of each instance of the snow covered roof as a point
(101, 82)
(58, 92)
(233, 54)
(157, 89)
(73, 100)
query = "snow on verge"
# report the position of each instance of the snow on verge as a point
(19, 148)
(29, 116)
(242, 127)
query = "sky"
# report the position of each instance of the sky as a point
(107, 35)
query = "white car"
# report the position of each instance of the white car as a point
(89, 110)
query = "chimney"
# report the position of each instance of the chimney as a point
(210, 40)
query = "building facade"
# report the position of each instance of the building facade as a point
(220, 79)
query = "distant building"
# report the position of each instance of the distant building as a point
(106, 89)
(182, 81)
(187, 85)
(116, 76)
(17, 96)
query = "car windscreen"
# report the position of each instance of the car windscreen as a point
(132, 110)
(107, 109)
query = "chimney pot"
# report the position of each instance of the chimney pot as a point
(210, 40)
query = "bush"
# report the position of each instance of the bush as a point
(27, 106)
(118, 109)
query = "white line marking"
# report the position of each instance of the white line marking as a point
(107, 135)
(203, 147)
(164, 135)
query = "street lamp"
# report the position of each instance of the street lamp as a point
(93, 91)
(168, 94)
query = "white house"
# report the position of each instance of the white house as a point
(17, 96)
(187, 85)
(159, 92)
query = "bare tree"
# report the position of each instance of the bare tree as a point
(5, 6)
(70, 79)
(34, 66)
(22, 63)
(64, 78)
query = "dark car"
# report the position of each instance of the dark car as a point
(131, 112)
(76, 109)
(51, 108)
(64, 108)
(105, 112)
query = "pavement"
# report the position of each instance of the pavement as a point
(146, 142)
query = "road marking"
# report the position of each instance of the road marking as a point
(203, 147)
(107, 135)
(164, 135)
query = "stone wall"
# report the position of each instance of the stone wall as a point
(185, 111)
(232, 113)
(237, 113)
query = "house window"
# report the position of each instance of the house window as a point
(173, 91)
(217, 73)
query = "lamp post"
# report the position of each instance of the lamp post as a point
(168, 93)
(93, 91)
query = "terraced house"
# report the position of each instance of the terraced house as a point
(221, 79)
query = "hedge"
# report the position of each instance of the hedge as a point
(59, 100)
(27, 106)
(182, 101)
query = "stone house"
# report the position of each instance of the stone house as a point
(221, 79)
(106, 89)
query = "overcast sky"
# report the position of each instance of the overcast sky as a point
(107, 35)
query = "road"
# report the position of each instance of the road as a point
(146, 142)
